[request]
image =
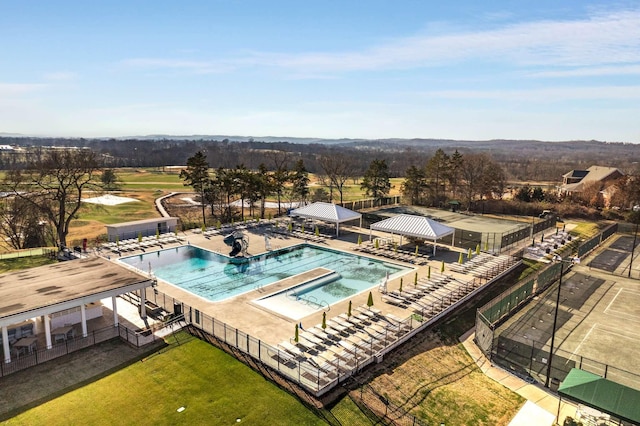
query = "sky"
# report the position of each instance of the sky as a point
(472, 70)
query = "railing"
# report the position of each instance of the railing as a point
(524, 357)
(38, 251)
(39, 356)
(313, 378)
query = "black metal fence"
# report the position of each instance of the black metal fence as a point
(314, 379)
(520, 354)
(367, 399)
(370, 203)
(38, 356)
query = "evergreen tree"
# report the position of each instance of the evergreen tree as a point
(376, 181)
(196, 175)
(414, 185)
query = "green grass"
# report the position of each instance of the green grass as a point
(125, 212)
(348, 413)
(17, 263)
(213, 387)
(586, 229)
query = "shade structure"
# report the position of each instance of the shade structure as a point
(414, 226)
(327, 212)
(602, 394)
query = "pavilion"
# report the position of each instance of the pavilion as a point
(420, 227)
(327, 212)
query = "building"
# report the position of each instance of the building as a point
(576, 181)
(144, 228)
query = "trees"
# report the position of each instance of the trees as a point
(337, 169)
(481, 176)
(300, 182)
(376, 181)
(436, 174)
(109, 180)
(53, 182)
(414, 185)
(21, 225)
(196, 175)
(281, 174)
(455, 169)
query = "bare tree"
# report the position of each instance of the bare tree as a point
(281, 173)
(338, 170)
(53, 183)
(21, 225)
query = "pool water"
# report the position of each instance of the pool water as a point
(218, 277)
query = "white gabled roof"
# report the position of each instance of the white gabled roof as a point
(326, 211)
(413, 226)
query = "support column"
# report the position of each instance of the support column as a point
(47, 330)
(114, 306)
(143, 303)
(83, 315)
(5, 344)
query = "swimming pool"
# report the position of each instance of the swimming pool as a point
(217, 277)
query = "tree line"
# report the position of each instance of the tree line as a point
(219, 188)
(520, 160)
(43, 187)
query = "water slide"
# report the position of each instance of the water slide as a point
(238, 243)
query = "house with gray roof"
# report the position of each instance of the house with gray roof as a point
(577, 180)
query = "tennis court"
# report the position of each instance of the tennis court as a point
(617, 253)
(598, 316)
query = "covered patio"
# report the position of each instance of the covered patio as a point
(327, 212)
(420, 227)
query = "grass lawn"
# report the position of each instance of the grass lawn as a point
(439, 382)
(212, 386)
(16, 263)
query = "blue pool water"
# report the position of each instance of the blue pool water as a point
(217, 277)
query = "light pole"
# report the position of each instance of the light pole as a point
(559, 259)
(636, 209)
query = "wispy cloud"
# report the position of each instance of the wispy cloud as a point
(601, 39)
(200, 67)
(12, 89)
(550, 94)
(590, 72)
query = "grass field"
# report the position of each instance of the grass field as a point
(17, 263)
(211, 385)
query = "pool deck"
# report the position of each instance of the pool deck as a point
(241, 312)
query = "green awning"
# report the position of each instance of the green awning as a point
(601, 394)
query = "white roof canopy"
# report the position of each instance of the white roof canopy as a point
(413, 226)
(326, 212)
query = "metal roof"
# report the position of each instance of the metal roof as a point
(326, 211)
(413, 226)
(602, 394)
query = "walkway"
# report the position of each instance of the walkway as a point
(533, 392)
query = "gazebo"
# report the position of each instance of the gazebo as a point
(414, 226)
(327, 212)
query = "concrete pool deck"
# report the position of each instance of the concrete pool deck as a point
(243, 313)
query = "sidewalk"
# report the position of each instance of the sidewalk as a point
(534, 393)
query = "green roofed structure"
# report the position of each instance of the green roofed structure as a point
(601, 394)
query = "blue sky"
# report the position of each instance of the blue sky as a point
(474, 70)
